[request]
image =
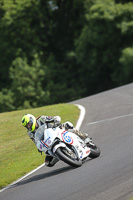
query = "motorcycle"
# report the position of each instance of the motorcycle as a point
(68, 147)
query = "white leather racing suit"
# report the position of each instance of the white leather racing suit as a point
(45, 122)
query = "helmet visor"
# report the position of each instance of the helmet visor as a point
(29, 126)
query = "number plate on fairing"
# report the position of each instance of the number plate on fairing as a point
(66, 137)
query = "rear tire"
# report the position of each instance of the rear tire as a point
(64, 155)
(95, 151)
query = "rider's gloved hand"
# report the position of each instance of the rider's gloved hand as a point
(67, 125)
(56, 124)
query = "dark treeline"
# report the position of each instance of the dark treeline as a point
(55, 51)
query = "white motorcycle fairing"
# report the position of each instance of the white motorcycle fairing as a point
(55, 138)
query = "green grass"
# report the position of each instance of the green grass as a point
(18, 154)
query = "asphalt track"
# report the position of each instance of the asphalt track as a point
(109, 121)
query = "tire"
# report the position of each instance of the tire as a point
(64, 155)
(95, 151)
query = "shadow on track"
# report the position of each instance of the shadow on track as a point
(44, 175)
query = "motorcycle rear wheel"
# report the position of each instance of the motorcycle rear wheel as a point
(95, 151)
(72, 160)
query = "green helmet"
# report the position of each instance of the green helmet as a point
(28, 118)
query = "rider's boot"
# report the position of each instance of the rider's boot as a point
(83, 136)
(50, 161)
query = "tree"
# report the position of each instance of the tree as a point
(74, 48)
(126, 73)
(63, 81)
(26, 83)
(101, 42)
(23, 33)
(6, 100)
(62, 77)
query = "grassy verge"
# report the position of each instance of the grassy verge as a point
(18, 154)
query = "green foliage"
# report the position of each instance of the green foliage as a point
(126, 72)
(26, 83)
(62, 79)
(74, 48)
(107, 31)
(23, 32)
(6, 100)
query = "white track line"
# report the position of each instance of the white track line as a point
(22, 178)
(79, 122)
(110, 119)
(81, 117)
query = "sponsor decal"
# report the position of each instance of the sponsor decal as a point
(81, 156)
(49, 118)
(66, 137)
(46, 142)
(87, 151)
(49, 141)
(38, 117)
(40, 146)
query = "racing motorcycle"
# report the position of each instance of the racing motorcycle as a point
(68, 147)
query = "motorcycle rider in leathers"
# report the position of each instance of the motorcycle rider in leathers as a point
(36, 127)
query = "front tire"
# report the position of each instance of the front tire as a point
(69, 157)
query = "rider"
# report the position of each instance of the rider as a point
(36, 127)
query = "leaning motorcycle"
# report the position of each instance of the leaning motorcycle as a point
(67, 146)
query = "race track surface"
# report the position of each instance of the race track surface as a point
(109, 121)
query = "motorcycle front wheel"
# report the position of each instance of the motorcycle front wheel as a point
(69, 156)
